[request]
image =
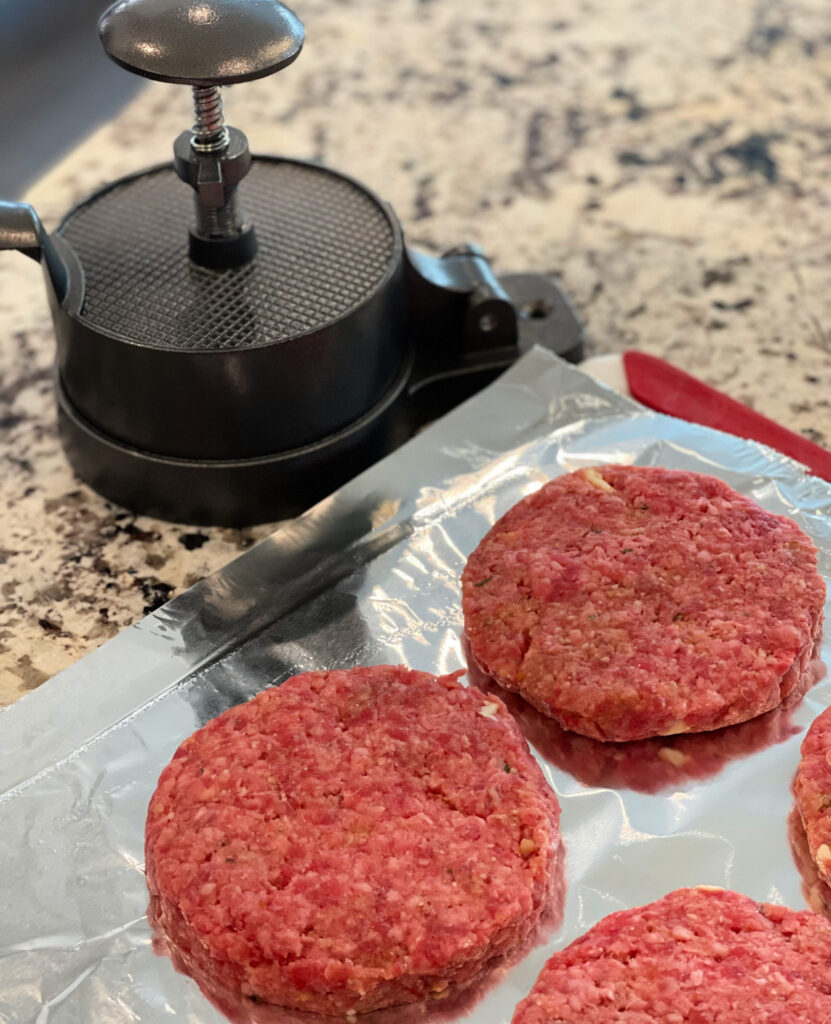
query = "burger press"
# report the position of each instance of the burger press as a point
(232, 358)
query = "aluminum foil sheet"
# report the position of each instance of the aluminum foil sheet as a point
(371, 575)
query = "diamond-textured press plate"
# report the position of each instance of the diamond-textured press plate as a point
(324, 245)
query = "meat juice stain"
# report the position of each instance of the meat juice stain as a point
(655, 764)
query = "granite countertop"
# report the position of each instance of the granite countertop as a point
(671, 163)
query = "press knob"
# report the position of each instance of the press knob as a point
(206, 44)
(201, 42)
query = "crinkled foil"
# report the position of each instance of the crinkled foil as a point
(371, 575)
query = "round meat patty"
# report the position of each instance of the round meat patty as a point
(812, 789)
(816, 891)
(351, 840)
(628, 602)
(694, 957)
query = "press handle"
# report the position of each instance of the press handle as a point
(201, 42)
(21, 229)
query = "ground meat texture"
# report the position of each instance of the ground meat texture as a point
(816, 891)
(660, 762)
(693, 957)
(812, 789)
(351, 840)
(628, 602)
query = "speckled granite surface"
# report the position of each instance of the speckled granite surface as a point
(671, 162)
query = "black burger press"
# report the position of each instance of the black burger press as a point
(234, 357)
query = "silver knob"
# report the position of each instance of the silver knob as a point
(201, 42)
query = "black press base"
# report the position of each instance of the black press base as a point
(449, 359)
(229, 492)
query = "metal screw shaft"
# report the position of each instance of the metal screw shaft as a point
(210, 135)
(218, 222)
(209, 132)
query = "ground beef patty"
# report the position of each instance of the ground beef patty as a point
(351, 840)
(816, 891)
(629, 602)
(812, 789)
(693, 957)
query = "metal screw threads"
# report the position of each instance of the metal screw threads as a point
(209, 132)
(219, 221)
(210, 136)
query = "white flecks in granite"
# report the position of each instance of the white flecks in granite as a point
(671, 163)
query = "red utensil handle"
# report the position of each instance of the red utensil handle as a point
(665, 388)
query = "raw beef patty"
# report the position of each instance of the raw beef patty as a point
(694, 957)
(351, 840)
(812, 789)
(628, 602)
